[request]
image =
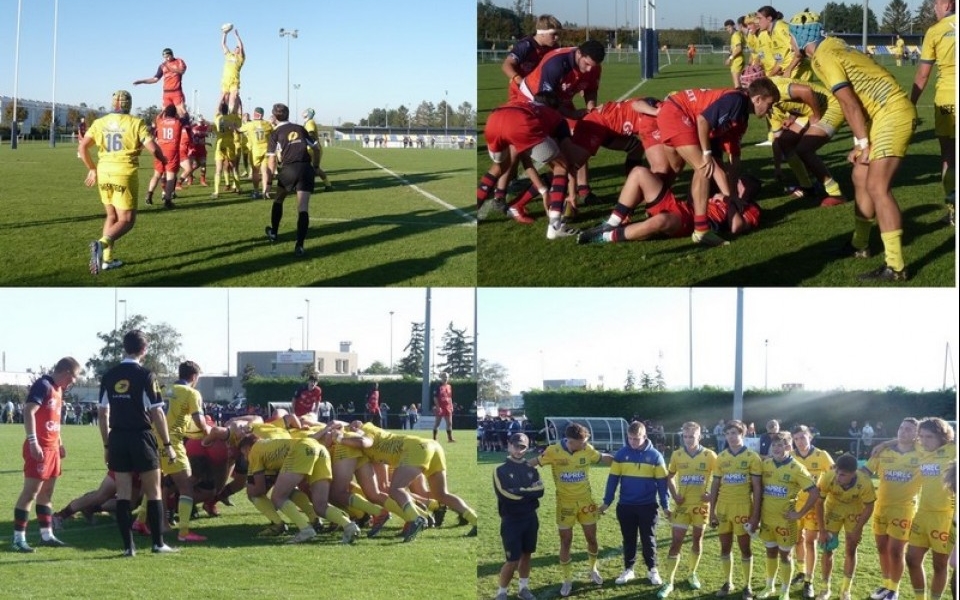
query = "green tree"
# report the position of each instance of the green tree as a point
(412, 363)
(22, 112)
(424, 115)
(377, 368)
(896, 17)
(646, 382)
(630, 385)
(148, 114)
(163, 348)
(659, 383)
(493, 382)
(73, 118)
(840, 18)
(925, 17)
(466, 116)
(457, 350)
(495, 23)
(249, 372)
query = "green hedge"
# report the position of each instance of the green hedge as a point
(830, 411)
(261, 390)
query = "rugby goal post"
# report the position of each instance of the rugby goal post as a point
(606, 433)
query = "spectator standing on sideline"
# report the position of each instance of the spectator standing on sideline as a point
(853, 432)
(641, 473)
(130, 403)
(413, 415)
(373, 404)
(42, 451)
(384, 415)
(518, 488)
(443, 406)
(308, 397)
(773, 428)
(866, 436)
(718, 434)
(325, 411)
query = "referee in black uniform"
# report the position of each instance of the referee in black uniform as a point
(287, 148)
(519, 488)
(129, 402)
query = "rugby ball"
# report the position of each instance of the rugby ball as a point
(226, 27)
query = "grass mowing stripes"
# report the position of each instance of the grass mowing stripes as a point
(373, 229)
(792, 248)
(233, 563)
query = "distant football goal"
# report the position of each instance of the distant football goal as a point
(607, 434)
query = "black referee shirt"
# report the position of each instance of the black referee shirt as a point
(129, 390)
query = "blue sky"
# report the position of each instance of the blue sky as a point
(36, 329)
(349, 57)
(822, 338)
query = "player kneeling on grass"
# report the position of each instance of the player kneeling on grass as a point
(695, 122)
(802, 122)
(845, 503)
(783, 478)
(875, 107)
(295, 175)
(669, 217)
(536, 129)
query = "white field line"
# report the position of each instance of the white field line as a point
(470, 218)
(419, 223)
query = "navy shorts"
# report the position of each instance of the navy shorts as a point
(519, 536)
(132, 451)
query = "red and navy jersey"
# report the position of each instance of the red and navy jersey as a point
(168, 133)
(444, 396)
(171, 78)
(558, 73)
(528, 54)
(49, 398)
(373, 401)
(726, 110)
(200, 133)
(305, 399)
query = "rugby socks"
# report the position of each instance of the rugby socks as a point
(263, 504)
(591, 558)
(290, 510)
(20, 518)
(106, 242)
(409, 512)
(565, 569)
(487, 183)
(747, 567)
(391, 505)
(124, 521)
(671, 567)
(155, 521)
(304, 504)
(701, 224)
(360, 503)
(861, 232)
(335, 515)
(500, 195)
(524, 583)
(920, 594)
(558, 189)
(800, 170)
(45, 520)
(471, 516)
(892, 248)
(303, 222)
(772, 565)
(694, 562)
(432, 505)
(529, 194)
(845, 586)
(168, 187)
(583, 191)
(787, 575)
(949, 185)
(276, 213)
(184, 511)
(726, 568)
(831, 187)
(620, 214)
(216, 182)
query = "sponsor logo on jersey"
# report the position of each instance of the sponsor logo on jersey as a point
(898, 476)
(775, 491)
(931, 470)
(735, 478)
(573, 477)
(692, 479)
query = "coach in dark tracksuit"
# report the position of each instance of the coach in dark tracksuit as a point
(518, 487)
(640, 471)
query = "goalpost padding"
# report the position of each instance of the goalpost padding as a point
(606, 433)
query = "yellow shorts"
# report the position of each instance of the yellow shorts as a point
(571, 512)
(933, 530)
(894, 521)
(733, 516)
(809, 520)
(689, 514)
(945, 120)
(836, 520)
(180, 462)
(736, 66)
(231, 84)
(257, 157)
(425, 454)
(226, 151)
(302, 457)
(779, 531)
(322, 471)
(119, 186)
(891, 131)
(832, 119)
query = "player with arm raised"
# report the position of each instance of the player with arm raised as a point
(232, 63)
(171, 71)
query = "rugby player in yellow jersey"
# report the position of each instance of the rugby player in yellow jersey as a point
(232, 63)
(119, 137)
(898, 50)
(802, 121)
(689, 473)
(751, 39)
(897, 469)
(184, 418)
(817, 462)
(940, 48)
(845, 503)
(882, 120)
(931, 528)
(257, 133)
(570, 460)
(735, 59)
(779, 55)
(315, 153)
(783, 478)
(225, 126)
(735, 502)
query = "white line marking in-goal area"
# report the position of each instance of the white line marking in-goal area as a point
(470, 218)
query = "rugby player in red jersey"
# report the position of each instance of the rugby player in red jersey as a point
(168, 133)
(171, 70)
(307, 398)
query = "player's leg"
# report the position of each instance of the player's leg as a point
(303, 216)
(185, 487)
(566, 568)
(678, 531)
(436, 422)
(21, 512)
(439, 491)
(152, 184)
(448, 417)
(918, 577)
(593, 546)
(880, 173)
(948, 170)
(938, 581)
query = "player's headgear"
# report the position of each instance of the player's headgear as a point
(308, 114)
(167, 52)
(805, 27)
(122, 102)
(258, 111)
(750, 74)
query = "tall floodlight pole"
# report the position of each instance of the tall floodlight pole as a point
(866, 9)
(228, 332)
(16, 80)
(296, 99)
(307, 300)
(766, 360)
(302, 332)
(286, 33)
(53, 94)
(446, 113)
(476, 334)
(124, 310)
(425, 387)
(391, 341)
(738, 362)
(690, 332)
